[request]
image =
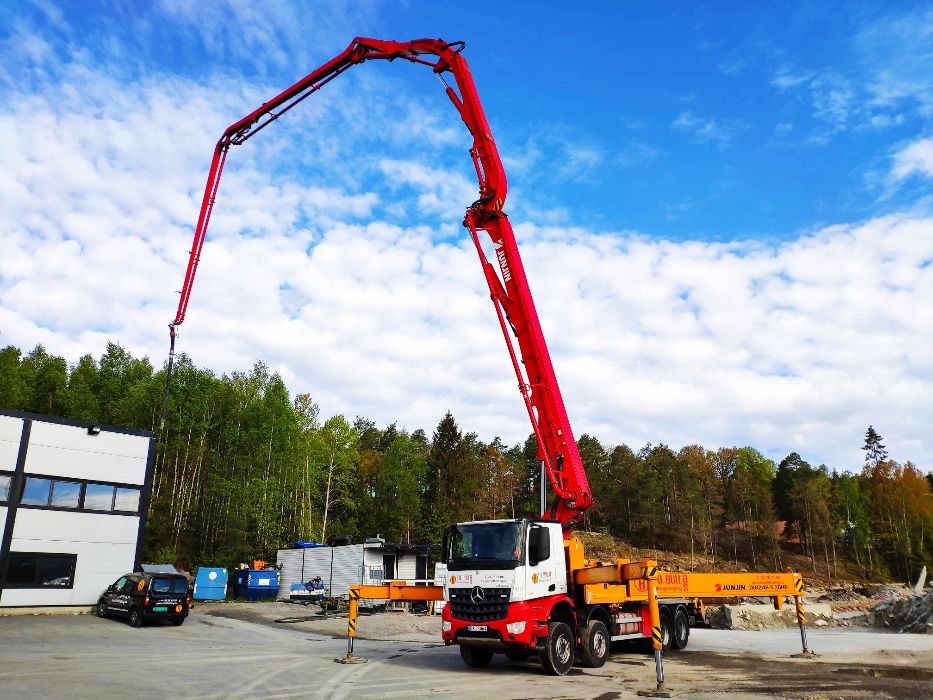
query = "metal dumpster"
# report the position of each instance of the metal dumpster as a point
(210, 583)
(255, 585)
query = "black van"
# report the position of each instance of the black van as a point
(142, 597)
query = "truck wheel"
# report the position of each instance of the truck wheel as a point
(557, 657)
(681, 629)
(666, 631)
(595, 649)
(101, 609)
(476, 657)
(136, 620)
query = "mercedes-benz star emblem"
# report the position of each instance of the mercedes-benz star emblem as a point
(477, 595)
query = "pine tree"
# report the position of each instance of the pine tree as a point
(874, 449)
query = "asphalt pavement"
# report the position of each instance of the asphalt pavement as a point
(80, 656)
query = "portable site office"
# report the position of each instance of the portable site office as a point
(349, 565)
(73, 502)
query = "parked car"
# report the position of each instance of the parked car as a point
(142, 597)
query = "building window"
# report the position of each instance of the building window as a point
(41, 570)
(65, 494)
(44, 492)
(126, 500)
(36, 492)
(5, 481)
(98, 497)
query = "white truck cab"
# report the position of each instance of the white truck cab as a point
(507, 582)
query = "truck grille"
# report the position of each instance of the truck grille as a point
(493, 606)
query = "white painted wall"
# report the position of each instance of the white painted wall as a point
(68, 451)
(11, 430)
(105, 545)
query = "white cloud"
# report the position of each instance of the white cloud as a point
(914, 158)
(291, 36)
(786, 78)
(350, 293)
(569, 154)
(880, 80)
(895, 51)
(706, 129)
(732, 66)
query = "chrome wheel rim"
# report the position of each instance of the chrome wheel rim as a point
(562, 649)
(599, 645)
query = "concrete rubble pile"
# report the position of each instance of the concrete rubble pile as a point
(914, 614)
(754, 616)
(894, 607)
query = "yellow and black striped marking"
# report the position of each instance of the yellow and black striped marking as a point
(798, 585)
(656, 635)
(354, 593)
(351, 626)
(651, 571)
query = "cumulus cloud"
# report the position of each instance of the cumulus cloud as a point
(343, 284)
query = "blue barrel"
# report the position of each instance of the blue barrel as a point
(210, 583)
(255, 585)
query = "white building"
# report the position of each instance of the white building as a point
(73, 502)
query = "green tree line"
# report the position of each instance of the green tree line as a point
(242, 469)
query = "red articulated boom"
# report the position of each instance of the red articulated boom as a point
(513, 588)
(509, 289)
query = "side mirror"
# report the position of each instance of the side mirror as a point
(111, 588)
(446, 544)
(539, 544)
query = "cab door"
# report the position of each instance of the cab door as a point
(123, 598)
(546, 574)
(112, 592)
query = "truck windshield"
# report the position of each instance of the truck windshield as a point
(485, 546)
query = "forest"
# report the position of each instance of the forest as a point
(242, 469)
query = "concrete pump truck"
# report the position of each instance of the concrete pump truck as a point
(518, 587)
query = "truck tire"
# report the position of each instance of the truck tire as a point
(681, 629)
(595, 648)
(476, 657)
(667, 630)
(136, 620)
(557, 656)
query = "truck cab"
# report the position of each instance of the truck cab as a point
(507, 587)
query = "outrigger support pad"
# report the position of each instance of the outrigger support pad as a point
(661, 691)
(350, 658)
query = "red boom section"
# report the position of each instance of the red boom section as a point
(508, 286)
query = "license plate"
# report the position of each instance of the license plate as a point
(160, 608)
(477, 628)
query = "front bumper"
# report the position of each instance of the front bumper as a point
(497, 635)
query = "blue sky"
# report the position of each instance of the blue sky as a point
(683, 121)
(724, 208)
